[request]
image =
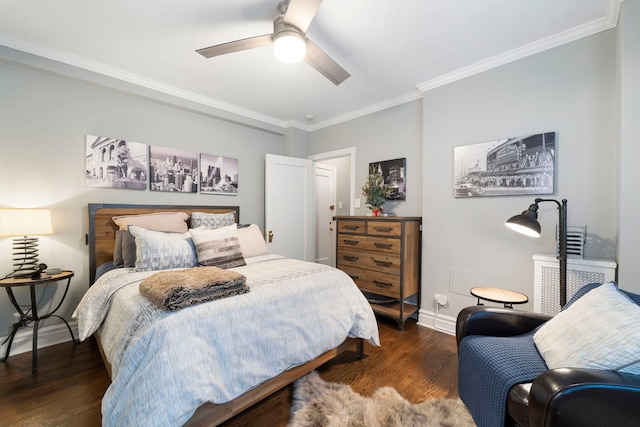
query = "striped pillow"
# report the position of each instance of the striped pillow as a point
(218, 248)
(160, 251)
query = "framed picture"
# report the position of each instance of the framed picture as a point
(522, 165)
(218, 175)
(394, 173)
(115, 163)
(173, 170)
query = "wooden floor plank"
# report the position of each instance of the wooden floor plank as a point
(67, 389)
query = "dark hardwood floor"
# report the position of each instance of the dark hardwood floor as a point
(67, 389)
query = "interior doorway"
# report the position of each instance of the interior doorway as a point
(344, 163)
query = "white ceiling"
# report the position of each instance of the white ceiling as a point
(393, 49)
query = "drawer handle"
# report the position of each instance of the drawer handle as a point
(350, 242)
(354, 277)
(383, 245)
(382, 284)
(350, 227)
(386, 229)
(350, 258)
(383, 263)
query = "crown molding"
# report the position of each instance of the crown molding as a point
(132, 78)
(610, 20)
(402, 99)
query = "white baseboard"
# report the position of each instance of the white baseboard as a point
(47, 336)
(439, 322)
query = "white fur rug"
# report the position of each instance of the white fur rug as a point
(321, 404)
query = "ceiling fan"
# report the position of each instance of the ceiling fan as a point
(289, 29)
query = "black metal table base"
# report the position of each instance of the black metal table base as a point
(26, 318)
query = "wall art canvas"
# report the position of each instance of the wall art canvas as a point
(115, 163)
(394, 173)
(522, 165)
(218, 175)
(173, 170)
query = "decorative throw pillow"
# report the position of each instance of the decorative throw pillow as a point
(212, 220)
(124, 251)
(600, 331)
(117, 250)
(219, 247)
(174, 222)
(252, 241)
(128, 249)
(160, 251)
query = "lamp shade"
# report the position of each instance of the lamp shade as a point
(289, 46)
(526, 223)
(25, 222)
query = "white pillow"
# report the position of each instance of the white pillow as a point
(252, 241)
(601, 330)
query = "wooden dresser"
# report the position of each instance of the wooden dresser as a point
(382, 255)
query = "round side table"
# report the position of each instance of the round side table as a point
(32, 315)
(501, 296)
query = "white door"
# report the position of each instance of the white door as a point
(288, 204)
(325, 191)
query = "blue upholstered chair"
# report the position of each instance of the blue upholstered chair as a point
(504, 381)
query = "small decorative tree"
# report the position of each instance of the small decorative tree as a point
(375, 190)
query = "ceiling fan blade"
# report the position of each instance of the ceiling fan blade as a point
(300, 13)
(236, 46)
(324, 64)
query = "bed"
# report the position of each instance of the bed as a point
(205, 363)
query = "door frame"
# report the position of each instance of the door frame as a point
(332, 170)
(351, 152)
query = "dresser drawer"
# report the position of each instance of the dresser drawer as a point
(373, 281)
(370, 243)
(385, 228)
(370, 260)
(352, 226)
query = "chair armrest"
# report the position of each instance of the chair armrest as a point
(584, 397)
(496, 322)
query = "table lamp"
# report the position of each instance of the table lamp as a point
(25, 223)
(527, 223)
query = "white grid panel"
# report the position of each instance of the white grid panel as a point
(546, 298)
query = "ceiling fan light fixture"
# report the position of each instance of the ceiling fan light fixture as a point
(289, 46)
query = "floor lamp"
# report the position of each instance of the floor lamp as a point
(527, 223)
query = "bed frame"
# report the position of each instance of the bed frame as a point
(101, 240)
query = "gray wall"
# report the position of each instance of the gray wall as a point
(629, 172)
(389, 134)
(43, 123)
(570, 90)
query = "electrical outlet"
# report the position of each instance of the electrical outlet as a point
(440, 299)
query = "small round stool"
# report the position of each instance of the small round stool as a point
(502, 296)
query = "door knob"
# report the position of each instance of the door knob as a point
(332, 207)
(270, 236)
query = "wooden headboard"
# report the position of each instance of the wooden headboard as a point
(102, 229)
